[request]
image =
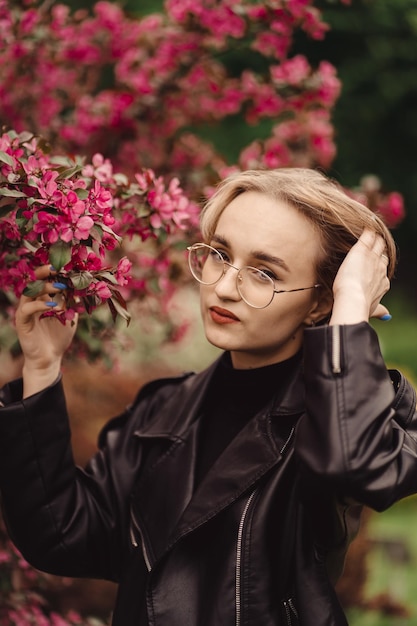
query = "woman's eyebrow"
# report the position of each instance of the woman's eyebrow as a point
(269, 258)
(221, 240)
(256, 254)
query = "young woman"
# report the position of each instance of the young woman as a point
(229, 497)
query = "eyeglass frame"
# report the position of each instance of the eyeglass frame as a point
(274, 291)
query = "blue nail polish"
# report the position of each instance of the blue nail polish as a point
(51, 267)
(386, 317)
(59, 285)
(51, 303)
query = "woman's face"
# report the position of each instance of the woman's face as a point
(265, 233)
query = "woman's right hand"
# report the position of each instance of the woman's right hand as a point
(43, 340)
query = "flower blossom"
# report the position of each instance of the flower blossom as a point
(75, 216)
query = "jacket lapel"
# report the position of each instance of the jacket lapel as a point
(166, 505)
(163, 492)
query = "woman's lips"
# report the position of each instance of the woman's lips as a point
(222, 316)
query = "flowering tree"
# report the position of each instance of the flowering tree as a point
(144, 93)
(80, 217)
(145, 105)
(134, 89)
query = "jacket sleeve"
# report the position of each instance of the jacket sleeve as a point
(359, 433)
(65, 520)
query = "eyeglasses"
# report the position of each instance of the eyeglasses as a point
(254, 286)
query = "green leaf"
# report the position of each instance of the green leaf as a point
(118, 307)
(22, 222)
(108, 230)
(81, 280)
(121, 179)
(59, 254)
(6, 158)
(96, 233)
(29, 246)
(90, 303)
(25, 136)
(34, 289)
(69, 172)
(12, 193)
(82, 194)
(12, 134)
(106, 275)
(61, 161)
(5, 209)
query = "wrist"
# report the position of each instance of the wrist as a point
(37, 378)
(349, 308)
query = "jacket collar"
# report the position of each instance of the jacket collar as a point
(166, 504)
(173, 423)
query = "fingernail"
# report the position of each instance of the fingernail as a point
(59, 285)
(51, 267)
(51, 303)
(386, 317)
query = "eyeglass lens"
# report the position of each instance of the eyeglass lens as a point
(208, 266)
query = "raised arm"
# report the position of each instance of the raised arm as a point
(359, 434)
(361, 282)
(43, 340)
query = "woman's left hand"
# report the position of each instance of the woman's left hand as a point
(361, 282)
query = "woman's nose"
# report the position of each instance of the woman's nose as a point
(226, 287)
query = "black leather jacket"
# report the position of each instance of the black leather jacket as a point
(264, 535)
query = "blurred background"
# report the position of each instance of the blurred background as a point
(373, 46)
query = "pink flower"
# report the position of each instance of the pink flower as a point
(100, 289)
(80, 229)
(292, 71)
(5, 556)
(47, 226)
(99, 197)
(47, 184)
(123, 269)
(100, 168)
(83, 227)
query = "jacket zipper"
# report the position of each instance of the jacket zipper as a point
(290, 610)
(239, 556)
(336, 359)
(239, 546)
(134, 523)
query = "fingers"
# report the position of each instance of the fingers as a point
(42, 274)
(43, 295)
(381, 312)
(373, 242)
(362, 281)
(44, 271)
(29, 307)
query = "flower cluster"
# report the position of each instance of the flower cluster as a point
(389, 205)
(138, 89)
(80, 219)
(148, 91)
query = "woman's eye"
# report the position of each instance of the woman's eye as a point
(261, 276)
(223, 255)
(270, 274)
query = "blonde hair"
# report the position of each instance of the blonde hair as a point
(338, 218)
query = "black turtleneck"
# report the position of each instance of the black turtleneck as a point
(233, 398)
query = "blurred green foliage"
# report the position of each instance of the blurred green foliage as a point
(391, 565)
(398, 337)
(373, 45)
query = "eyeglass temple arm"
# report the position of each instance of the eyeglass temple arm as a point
(299, 289)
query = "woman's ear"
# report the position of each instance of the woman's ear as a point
(321, 310)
